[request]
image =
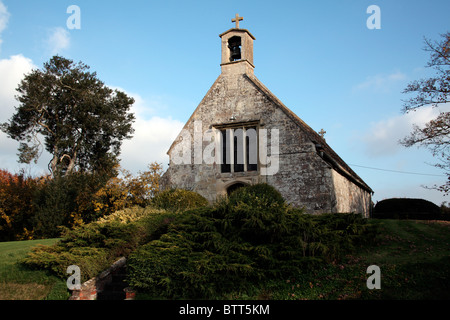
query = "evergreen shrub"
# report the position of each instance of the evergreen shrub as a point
(240, 241)
(178, 200)
(407, 208)
(95, 246)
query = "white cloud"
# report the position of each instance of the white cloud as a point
(153, 135)
(151, 140)
(12, 71)
(4, 17)
(380, 82)
(58, 40)
(383, 136)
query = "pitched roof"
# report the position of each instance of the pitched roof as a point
(328, 153)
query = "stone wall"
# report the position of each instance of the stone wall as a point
(348, 197)
(303, 177)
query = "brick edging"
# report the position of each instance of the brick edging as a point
(90, 288)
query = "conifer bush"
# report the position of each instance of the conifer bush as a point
(95, 246)
(235, 244)
(178, 200)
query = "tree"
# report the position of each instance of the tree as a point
(16, 205)
(82, 121)
(127, 190)
(435, 92)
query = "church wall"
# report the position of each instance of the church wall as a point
(229, 96)
(348, 197)
(303, 177)
(304, 182)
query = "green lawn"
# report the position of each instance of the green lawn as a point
(19, 283)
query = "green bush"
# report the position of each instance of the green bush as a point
(252, 236)
(259, 196)
(191, 260)
(179, 200)
(132, 214)
(95, 246)
(60, 200)
(406, 208)
(57, 258)
(342, 233)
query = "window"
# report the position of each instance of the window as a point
(239, 149)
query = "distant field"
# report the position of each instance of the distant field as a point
(19, 283)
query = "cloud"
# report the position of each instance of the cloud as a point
(4, 17)
(151, 140)
(382, 137)
(58, 40)
(152, 137)
(12, 71)
(380, 82)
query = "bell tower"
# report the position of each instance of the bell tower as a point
(237, 49)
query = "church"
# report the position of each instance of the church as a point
(242, 134)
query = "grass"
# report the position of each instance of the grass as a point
(414, 260)
(20, 283)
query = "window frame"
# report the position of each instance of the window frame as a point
(226, 131)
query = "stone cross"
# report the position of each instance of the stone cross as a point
(322, 133)
(237, 19)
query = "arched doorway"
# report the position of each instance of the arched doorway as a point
(234, 187)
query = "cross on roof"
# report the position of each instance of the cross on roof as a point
(237, 19)
(322, 133)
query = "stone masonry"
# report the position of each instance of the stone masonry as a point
(299, 164)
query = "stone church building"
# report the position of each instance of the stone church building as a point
(241, 134)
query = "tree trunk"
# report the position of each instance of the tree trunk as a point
(71, 163)
(54, 162)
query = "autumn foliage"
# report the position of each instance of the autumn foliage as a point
(16, 205)
(126, 190)
(36, 207)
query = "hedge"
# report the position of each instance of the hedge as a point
(407, 208)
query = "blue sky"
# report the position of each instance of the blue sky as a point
(318, 57)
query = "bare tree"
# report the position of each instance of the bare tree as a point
(435, 92)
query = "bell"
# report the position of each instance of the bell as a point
(235, 53)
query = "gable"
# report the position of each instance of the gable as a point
(328, 154)
(244, 98)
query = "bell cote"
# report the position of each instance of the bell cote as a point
(237, 49)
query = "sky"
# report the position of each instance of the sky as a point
(320, 58)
